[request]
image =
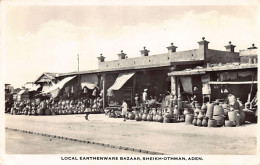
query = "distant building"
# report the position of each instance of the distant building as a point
(46, 80)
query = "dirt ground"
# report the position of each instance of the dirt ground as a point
(24, 143)
(168, 138)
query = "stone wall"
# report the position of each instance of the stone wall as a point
(217, 56)
(153, 60)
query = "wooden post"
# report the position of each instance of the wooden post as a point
(104, 91)
(134, 87)
(173, 85)
(178, 87)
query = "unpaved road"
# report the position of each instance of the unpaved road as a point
(169, 138)
(24, 143)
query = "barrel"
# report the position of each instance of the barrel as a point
(210, 109)
(212, 123)
(188, 119)
(218, 110)
(220, 120)
(228, 123)
(166, 120)
(232, 116)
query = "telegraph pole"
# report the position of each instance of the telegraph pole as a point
(78, 76)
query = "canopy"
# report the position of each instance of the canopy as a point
(120, 81)
(59, 85)
(21, 92)
(34, 87)
(186, 84)
(88, 85)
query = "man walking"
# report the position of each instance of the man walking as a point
(124, 109)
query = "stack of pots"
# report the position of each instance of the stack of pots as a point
(218, 115)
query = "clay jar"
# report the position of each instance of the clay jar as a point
(201, 115)
(197, 110)
(204, 122)
(154, 117)
(160, 119)
(204, 107)
(186, 111)
(194, 122)
(199, 122)
(144, 117)
(176, 111)
(150, 117)
(131, 116)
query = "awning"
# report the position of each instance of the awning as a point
(59, 85)
(186, 84)
(34, 87)
(21, 92)
(121, 80)
(186, 73)
(45, 88)
(88, 85)
(232, 82)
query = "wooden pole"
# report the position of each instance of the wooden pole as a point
(104, 90)
(78, 76)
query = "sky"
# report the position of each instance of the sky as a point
(48, 38)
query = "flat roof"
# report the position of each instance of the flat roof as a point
(203, 70)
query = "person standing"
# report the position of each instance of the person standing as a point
(136, 100)
(145, 96)
(124, 109)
